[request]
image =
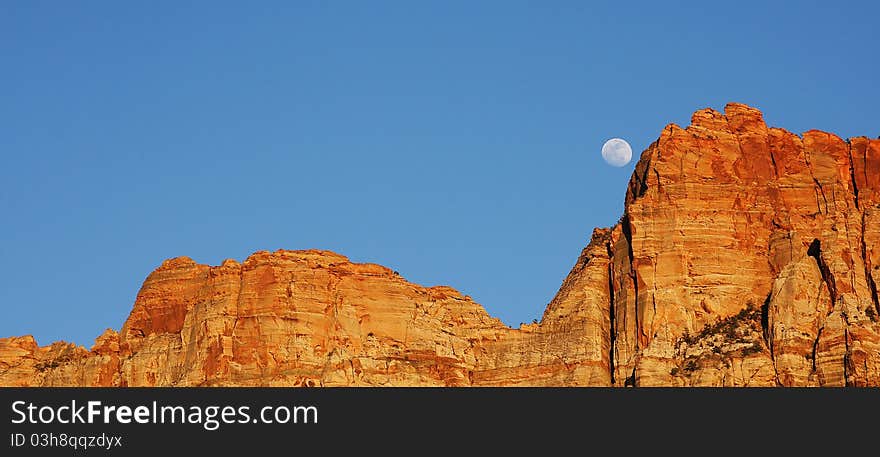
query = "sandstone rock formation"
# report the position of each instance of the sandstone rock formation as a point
(747, 256)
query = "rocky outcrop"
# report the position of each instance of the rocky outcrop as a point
(746, 256)
(729, 214)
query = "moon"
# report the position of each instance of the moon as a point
(617, 152)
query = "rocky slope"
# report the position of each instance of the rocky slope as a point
(747, 256)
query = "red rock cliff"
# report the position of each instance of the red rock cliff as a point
(747, 256)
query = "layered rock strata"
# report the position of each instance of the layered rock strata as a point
(746, 256)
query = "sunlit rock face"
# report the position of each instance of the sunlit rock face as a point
(747, 256)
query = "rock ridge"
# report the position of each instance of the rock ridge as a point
(746, 256)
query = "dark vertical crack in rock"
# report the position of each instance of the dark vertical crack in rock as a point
(627, 233)
(611, 330)
(766, 334)
(772, 159)
(824, 199)
(765, 323)
(847, 356)
(852, 172)
(815, 251)
(872, 286)
(816, 346)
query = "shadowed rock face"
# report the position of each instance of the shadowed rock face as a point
(747, 256)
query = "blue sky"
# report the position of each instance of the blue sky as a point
(456, 142)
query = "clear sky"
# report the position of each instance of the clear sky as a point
(457, 142)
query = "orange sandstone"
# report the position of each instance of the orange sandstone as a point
(747, 256)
